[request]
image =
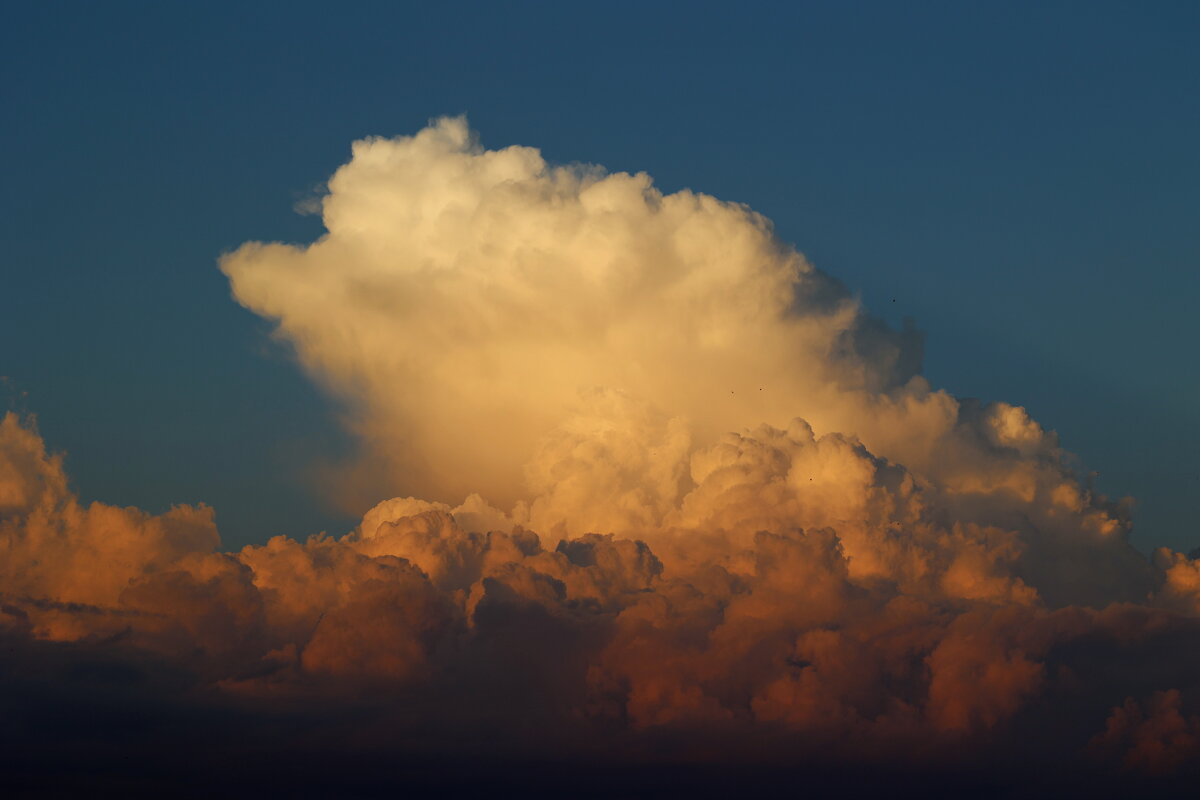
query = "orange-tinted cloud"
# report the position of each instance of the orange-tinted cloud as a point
(747, 623)
(707, 506)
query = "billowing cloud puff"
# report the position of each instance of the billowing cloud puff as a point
(1157, 739)
(463, 298)
(664, 490)
(55, 550)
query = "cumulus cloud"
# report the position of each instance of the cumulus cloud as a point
(61, 552)
(463, 298)
(571, 344)
(754, 612)
(1155, 739)
(661, 485)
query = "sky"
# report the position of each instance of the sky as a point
(1022, 182)
(552, 397)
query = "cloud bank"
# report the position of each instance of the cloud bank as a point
(685, 501)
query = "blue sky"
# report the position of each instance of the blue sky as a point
(1022, 179)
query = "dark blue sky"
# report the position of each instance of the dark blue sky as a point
(1023, 179)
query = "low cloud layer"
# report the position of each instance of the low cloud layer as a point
(685, 501)
(805, 601)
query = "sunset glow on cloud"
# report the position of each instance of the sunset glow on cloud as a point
(642, 474)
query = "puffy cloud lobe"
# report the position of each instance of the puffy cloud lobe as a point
(58, 552)
(1156, 739)
(1181, 586)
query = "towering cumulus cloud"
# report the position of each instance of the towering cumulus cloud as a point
(505, 327)
(665, 494)
(463, 298)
